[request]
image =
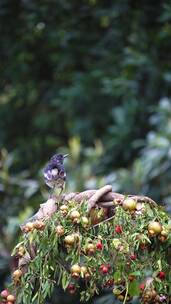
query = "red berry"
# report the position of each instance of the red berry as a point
(110, 282)
(143, 246)
(105, 269)
(101, 267)
(142, 286)
(99, 245)
(118, 229)
(108, 266)
(161, 275)
(71, 288)
(4, 293)
(75, 275)
(133, 257)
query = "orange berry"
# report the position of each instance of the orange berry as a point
(87, 276)
(39, 225)
(131, 277)
(17, 275)
(11, 298)
(28, 227)
(60, 230)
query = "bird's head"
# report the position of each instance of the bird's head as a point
(59, 158)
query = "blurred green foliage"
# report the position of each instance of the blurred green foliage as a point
(91, 78)
(150, 173)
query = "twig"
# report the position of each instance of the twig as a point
(126, 294)
(102, 222)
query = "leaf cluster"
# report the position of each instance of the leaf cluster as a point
(130, 257)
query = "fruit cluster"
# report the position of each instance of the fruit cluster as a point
(87, 252)
(30, 226)
(7, 298)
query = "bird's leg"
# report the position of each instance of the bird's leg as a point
(51, 192)
(63, 187)
(58, 191)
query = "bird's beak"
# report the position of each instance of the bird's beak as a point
(66, 155)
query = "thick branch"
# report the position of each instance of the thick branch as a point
(78, 197)
(103, 197)
(97, 195)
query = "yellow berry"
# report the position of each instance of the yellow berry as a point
(84, 220)
(90, 248)
(83, 270)
(154, 227)
(74, 214)
(164, 232)
(76, 269)
(21, 251)
(69, 239)
(17, 274)
(64, 209)
(129, 204)
(120, 297)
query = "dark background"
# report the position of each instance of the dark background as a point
(90, 78)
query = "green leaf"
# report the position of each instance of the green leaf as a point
(133, 288)
(117, 275)
(65, 280)
(35, 296)
(136, 273)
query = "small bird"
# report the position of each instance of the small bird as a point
(54, 173)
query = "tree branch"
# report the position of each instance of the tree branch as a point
(103, 197)
(97, 195)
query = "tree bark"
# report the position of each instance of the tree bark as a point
(103, 197)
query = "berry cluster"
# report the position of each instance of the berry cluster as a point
(7, 298)
(86, 252)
